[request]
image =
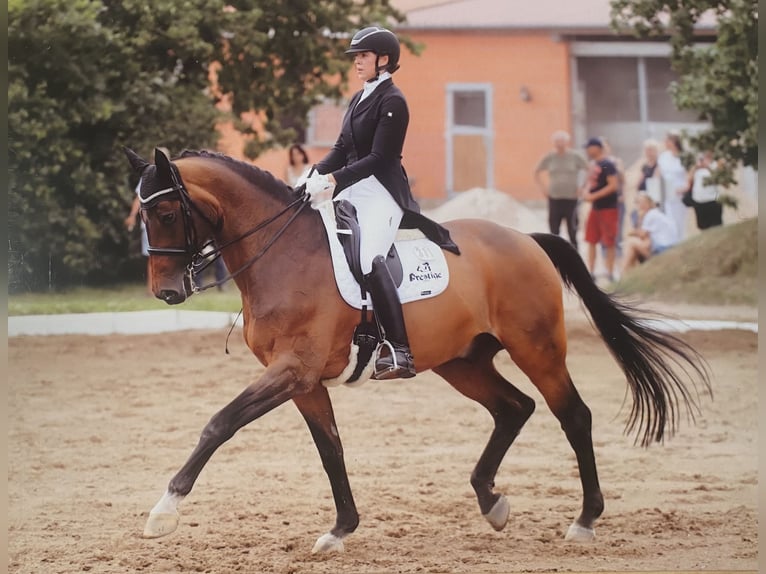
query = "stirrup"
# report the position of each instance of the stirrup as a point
(395, 370)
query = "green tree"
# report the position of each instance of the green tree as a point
(717, 80)
(278, 60)
(86, 77)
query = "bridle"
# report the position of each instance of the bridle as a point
(202, 256)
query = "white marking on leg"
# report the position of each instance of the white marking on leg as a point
(163, 518)
(328, 543)
(578, 533)
(498, 515)
(168, 504)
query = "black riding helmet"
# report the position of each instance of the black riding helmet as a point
(380, 42)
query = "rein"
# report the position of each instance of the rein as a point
(199, 259)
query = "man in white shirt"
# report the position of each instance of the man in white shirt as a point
(655, 233)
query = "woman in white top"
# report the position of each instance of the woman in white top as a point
(674, 181)
(298, 165)
(707, 208)
(655, 234)
(703, 192)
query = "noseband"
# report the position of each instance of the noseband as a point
(202, 256)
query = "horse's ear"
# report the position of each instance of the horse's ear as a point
(162, 161)
(136, 161)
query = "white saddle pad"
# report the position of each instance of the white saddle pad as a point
(423, 263)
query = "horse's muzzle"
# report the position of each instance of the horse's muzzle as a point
(172, 297)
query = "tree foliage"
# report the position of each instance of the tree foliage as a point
(86, 77)
(718, 80)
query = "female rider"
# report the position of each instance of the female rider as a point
(364, 167)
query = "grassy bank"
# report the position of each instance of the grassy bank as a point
(130, 297)
(716, 267)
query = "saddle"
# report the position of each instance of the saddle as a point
(417, 265)
(349, 235)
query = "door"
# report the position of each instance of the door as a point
(469, 137)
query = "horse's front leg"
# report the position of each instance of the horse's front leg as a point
(283, 380)
(316, 408)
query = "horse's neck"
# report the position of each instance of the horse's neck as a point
(244, 206)
(242, 210)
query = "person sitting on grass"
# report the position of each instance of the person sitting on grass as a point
(655, 233)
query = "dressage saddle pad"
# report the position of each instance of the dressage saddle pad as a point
(424, 272)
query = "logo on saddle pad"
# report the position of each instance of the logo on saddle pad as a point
(423, 272)
(425, 267)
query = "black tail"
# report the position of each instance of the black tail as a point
(649, 357)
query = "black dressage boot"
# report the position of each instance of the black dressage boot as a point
(398, 363)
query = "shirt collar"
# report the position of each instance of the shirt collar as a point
(370, 85)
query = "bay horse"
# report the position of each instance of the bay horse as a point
(505, 293)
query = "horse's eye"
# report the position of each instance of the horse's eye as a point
(168, 218)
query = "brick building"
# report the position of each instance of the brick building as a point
(497, 77)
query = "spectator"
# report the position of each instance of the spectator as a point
(655, 234)
(620, 167)
(674, 182)
(601, 192)
(298, 165)
(130, 223)
(563, 168)
(649, 172)
(650, 176)
(707, 208)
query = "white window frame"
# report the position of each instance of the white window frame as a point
(487, 131)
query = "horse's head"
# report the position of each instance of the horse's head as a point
(177, 227)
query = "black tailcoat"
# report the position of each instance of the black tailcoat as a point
(370, 143)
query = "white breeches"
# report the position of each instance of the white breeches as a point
(379, 217)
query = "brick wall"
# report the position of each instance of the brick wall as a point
(522, 129)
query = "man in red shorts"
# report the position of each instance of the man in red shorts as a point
(601, 193)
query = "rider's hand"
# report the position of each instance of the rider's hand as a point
(302, 178)
(319, 188)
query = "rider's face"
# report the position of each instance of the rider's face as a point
(364, 65)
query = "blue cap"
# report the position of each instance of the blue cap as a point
(594, 141)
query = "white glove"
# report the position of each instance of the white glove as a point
(319, 188)
(303, 177)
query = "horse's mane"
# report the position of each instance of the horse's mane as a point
(259, 177)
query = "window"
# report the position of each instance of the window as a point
(469, 108)
(611, 88)
(661, 108)
(325, 120)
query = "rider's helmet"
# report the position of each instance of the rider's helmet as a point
(379, 41)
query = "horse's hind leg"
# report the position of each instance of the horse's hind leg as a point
(544, 363)
(475, 376)
(575, 419)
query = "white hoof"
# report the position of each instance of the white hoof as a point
(160, 524)
(328, 543)
(498, 516)
(577, 533)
